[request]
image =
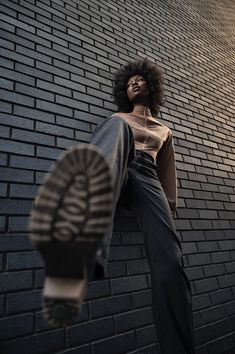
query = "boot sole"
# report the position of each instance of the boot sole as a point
(68, 221)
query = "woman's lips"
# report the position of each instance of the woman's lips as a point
(135, 89)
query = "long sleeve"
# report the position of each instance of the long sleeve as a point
(167, 171)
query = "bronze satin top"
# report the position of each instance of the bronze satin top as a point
(156, 139)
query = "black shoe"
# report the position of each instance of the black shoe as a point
(68, 222)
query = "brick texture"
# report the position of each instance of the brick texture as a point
(56, 66)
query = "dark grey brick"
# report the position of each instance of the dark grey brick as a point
(128, 284)
(22, 190)
(48, 152)
(138, 267)
(74, 123)
(18, 223)
(1, 305)
(16, 206)
(6, 84)
(17, 23)
(16, 147)
(55, 108)
(202, 336)
(33, 137)
(74, 49)
(15, 280)
(54, 53)
(52, 69)
(3, 159)
(98, 289)
(116, 269)
(77, 85)
(16, 175)
(55, 88)
(11, 327)
(17, 57)
(119, 344)
(226, 280)
(24, 301)
(187, 213)
(17, 98)
(34, 113)
(5, 132)
(54, 129)
(34, 92)
(214, 234)
(223, 344)
(16, 121)
(227, 244)
(6, 26)
(201, 224)
(219, 257)
(12, 242)
(8, 11)
(87, 117)
(201, 301)
(87, 98)
(141, 298)
(16, 39)
(207, 246)
(3, 189)
(24, 260)
(110, 306)
(146, 335)
(133, 319)
(49, 9)
(1, 261)
(39, 343)
(194, 273)
(199, 259)
(221, 296)
(33, 37)
(214, 270)
(92, 330)
(5, 107)
(65, 143)
(206, 285)
(189, 247)
(39, 177)
(6, 63)
(33, 54)
(32, 21)
(52, 38)
(35, 73)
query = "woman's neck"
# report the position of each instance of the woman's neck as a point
(142, 110)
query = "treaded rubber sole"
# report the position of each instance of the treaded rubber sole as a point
(68, 221)
(75, 201)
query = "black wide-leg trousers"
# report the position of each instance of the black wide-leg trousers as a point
(137, 187)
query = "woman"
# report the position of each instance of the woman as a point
(129, 161)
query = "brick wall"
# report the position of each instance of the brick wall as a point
(57, 60)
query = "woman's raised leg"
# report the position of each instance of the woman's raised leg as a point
(71, 218)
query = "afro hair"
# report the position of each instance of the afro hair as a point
(151, 73)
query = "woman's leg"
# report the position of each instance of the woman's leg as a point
(115, 139)
(72, 218)
(171, 291)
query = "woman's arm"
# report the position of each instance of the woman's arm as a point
(167, 171)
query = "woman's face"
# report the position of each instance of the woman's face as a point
(137, 89)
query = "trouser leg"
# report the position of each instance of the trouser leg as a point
(171, 291)
(114, 138)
